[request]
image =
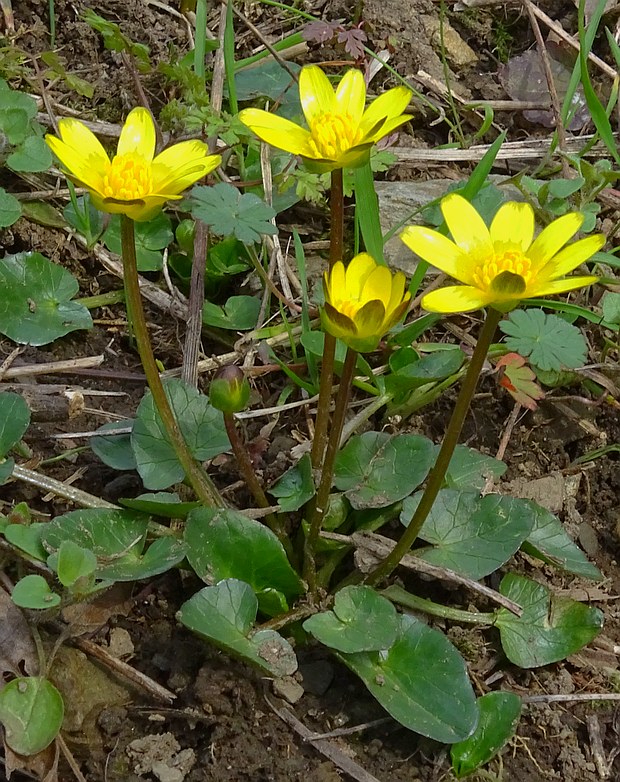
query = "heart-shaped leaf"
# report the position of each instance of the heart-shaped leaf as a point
(499, 716)
(31, 156)
(362, 621)
(31, 711)
(376, 469)
(167, 505)
(10, 209)
(202, 427)
(550, 542)
(72, 562)
(14, 420)
(421, 681)
(162, 555)
(240, 313)
(471, 534)
(550, 627)
(27, 538)
(469, 469)
(115, 449)
(35, 303)
(33, 592)
(151, 238)
(224, 614)
(295, 487)
(224, 544)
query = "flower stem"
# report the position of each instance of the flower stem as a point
(197, 477)
(321, 501)
(247, 470)
(437, 475)
(336, 241)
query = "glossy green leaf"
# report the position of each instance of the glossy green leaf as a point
(72, 563)
(6, 469)
(376, 469)
(31, 712)
(27, 538)
(499, 717)
(550, 628)
(115, 449)
(167, 505)
(201, 425)
(225, 614)
(35, 300)
(33, 592)
(550, 542)
(430, 368)
(226, 544)
(240, 313)
(471, 534)
(361, 621)
(152, 237)
(14, 420)
(295, 487)
(31, 156)
(469, 469)
(421, 681)
(10, 209)
(162, 555)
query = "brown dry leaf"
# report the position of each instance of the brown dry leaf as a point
(43, 766)
(90, 616)
(18, 653)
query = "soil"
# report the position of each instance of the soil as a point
(226, 722)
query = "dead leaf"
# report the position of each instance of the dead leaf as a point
(43, 766)
(18, 653)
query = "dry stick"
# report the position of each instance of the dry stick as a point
(510, 425)
(70, 759)
(53, 367)
(584, 696)
(553, 93)
(193, 334)
(60, 489)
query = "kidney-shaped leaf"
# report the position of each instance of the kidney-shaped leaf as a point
(225, 544)
(550, 627)
(376, 469)
(224, 614)
(362, 621)
(202, 427)
(471, 534)
(35, 300)
(421, 681)
(14, 420)
(31, 711)
(550, 542)
(499, 716)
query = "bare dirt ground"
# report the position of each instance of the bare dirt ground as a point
(225, 722)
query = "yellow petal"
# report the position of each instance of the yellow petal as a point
(80, 152)
(570, 257)
(397, 293)
(468, 229)
(388, 127)
(279, 132)
(389, 105)
(456, 298)
(337, 324)
(369, 319)
(553, 238)
(336, 284)
(351, 95)
(437, 249)
(561, 286)
(378, 286)
(358, 271)
(392, 318)
(513, 227)
(140, 210)
(315, 93)
(179, 166)
(137, 135)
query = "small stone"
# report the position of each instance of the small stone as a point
(120, 644)
(317, 676)
(588, 539)
(288, 689)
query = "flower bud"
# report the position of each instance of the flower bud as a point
(230, 390)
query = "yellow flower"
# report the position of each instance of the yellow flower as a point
(133, 183)
(340, 132)
(362, 302)
(502, 264)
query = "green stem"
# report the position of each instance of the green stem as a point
(399, 595)
(436, 478)
(197, 477)
(247, 470)
(321, 501)
(200, 38)
(336, 241)
(102, 300)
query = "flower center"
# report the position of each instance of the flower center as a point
(128, 178)
(333, 135)
(507, 274)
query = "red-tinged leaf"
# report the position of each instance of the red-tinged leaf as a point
(319, 31)
(353, 41)
(518, 380)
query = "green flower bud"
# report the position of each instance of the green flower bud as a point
(230, 390)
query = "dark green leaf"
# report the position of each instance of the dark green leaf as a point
(240, 313)
(202, 427)
(152, 237)
(430, 368)
(224, 614)
(169, 506)
(10, 209)
(295, 487)
(549, 341)
(35, 300)
(421, 681)
(469, 469)
(32, 156)
(550, 628)
(27, 538)
(14, 420)
(115, 450)
(471, 534)
(376, 469)
(231, 213)
(362, 621)
(31, 711)
(499, 716)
